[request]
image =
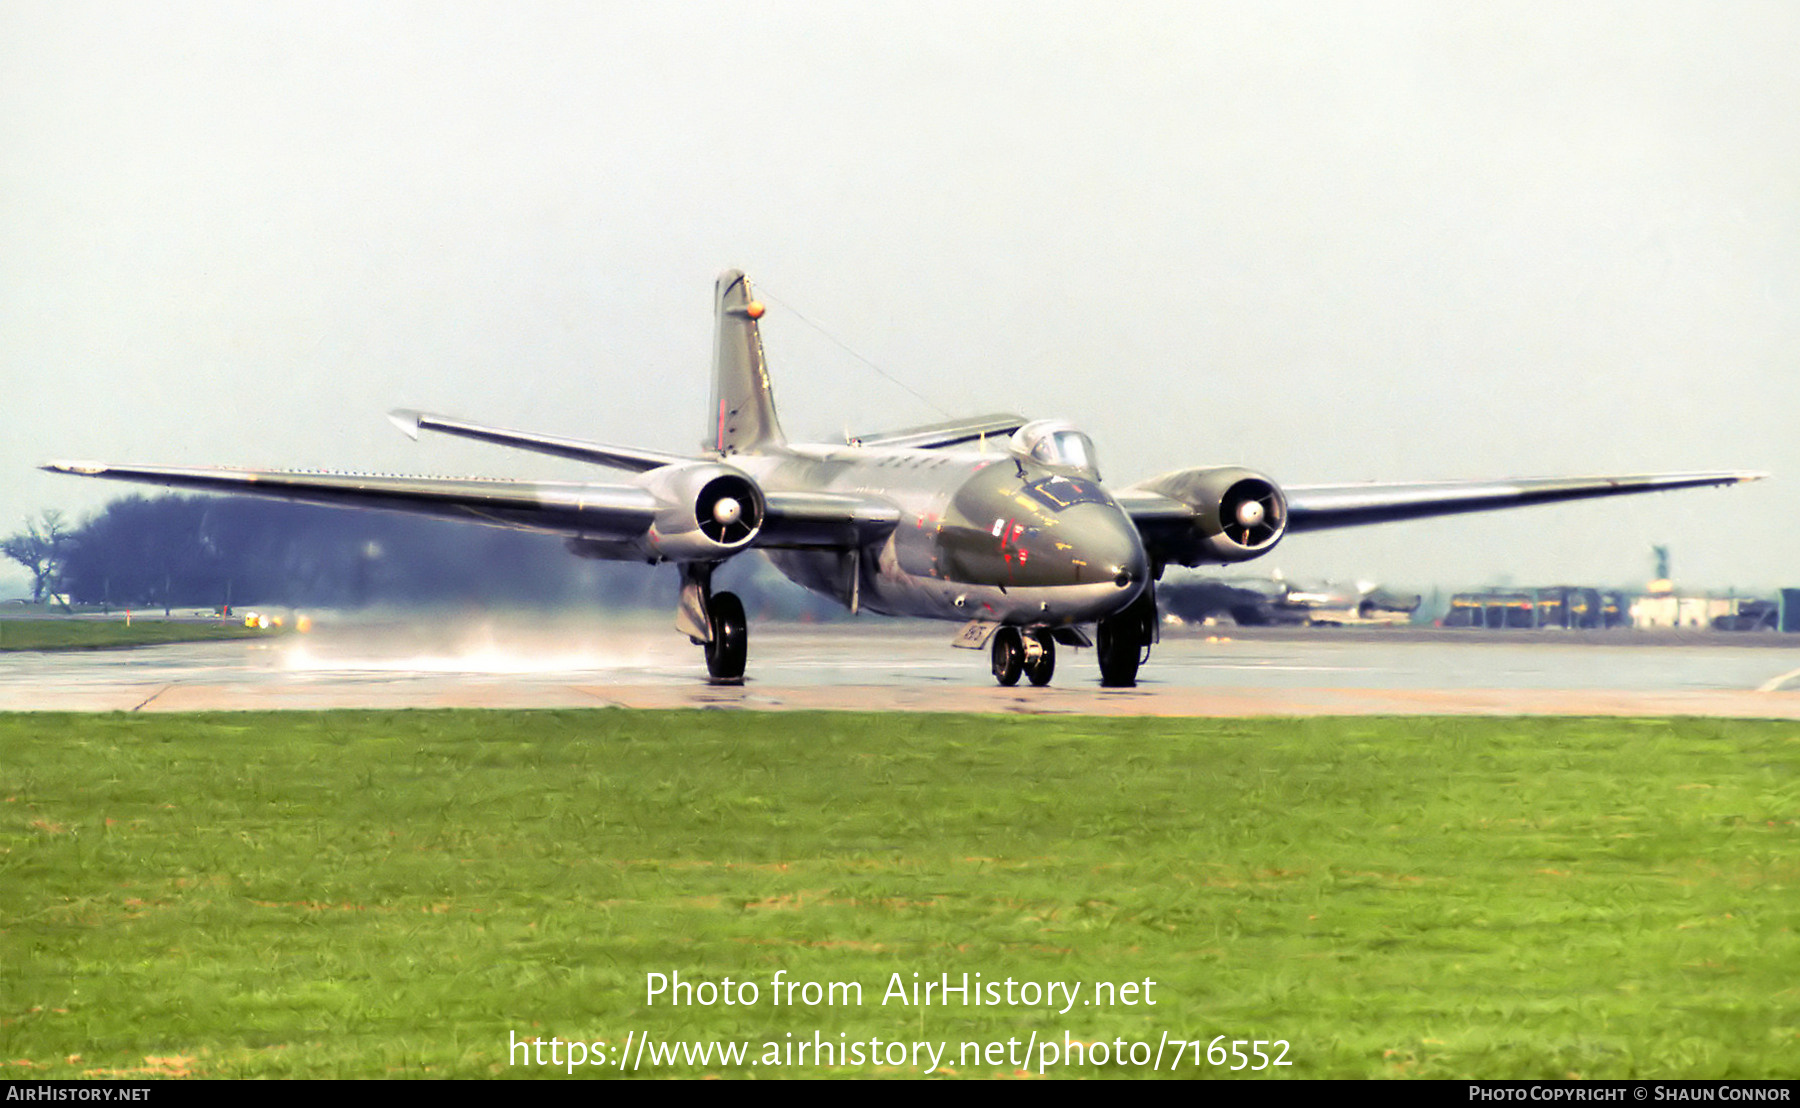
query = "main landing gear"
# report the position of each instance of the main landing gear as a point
(730, 640)
(716, 622)
(1124, 642)
(1031, 653)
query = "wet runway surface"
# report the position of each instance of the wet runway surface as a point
(882, 665)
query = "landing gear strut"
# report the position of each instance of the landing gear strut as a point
(1040, 663)
(1124, 642)
(716, 622)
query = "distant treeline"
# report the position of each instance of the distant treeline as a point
(208, 551)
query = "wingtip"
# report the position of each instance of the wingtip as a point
(81, 469)
(407, 420)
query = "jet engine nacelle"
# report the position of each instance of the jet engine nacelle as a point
(1238, 513)
(708, 512)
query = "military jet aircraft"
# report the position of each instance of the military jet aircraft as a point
(1277, 601)
(1023, 544)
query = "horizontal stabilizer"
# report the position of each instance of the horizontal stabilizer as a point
(951, 433)
(618, 457)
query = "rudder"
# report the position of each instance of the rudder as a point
(743, 403)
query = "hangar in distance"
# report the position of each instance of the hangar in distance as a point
(1020, 542)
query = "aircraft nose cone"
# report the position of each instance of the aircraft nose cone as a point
(1110, 544)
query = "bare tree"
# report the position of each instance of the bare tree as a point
(40, 548)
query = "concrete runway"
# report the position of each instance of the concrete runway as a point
(881, 665)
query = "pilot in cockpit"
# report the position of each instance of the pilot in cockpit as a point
(1055, 442)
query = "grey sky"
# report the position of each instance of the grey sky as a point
(1330, 241)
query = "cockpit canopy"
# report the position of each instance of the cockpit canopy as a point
(1056, 442)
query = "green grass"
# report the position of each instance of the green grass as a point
(91, 634)
(369, 894)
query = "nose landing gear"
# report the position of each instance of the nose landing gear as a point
(1028, 653)
(1040, 664)
(1008, 651)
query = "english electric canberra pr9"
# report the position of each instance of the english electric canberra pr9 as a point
(1021, 542)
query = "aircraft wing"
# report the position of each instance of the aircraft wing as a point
(610, 518)
(1225, 514)
(600, 511)
(1320, 507)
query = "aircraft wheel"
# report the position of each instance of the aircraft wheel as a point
(730, 643)
(1119, 656)
(1040, 667)
(1009, 655)
(1124, 643)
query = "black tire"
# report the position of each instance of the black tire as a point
(1123, 643)
(730, 644)
(1039, 670)
(1009, 656)
(1119, 656)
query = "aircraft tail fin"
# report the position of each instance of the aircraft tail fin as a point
(743, 403)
